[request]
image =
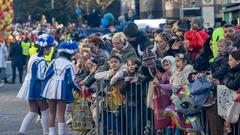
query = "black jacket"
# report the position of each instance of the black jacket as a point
(201, 63)
(232, 78)
(16, 52)
(220, 67)
(142, 40)
(135, 92)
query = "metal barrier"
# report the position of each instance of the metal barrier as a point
(131, 115)
(118, 116)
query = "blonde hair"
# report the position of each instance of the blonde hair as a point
(157, 37)
(166, 36)
(120, 35)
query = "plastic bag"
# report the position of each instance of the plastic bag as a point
(200, 86)
(115, 99)
(225, 100)
(233, 113)
(81, 116)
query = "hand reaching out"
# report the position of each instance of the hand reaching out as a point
(214, 81)
(237, 98)
(127, 79)
(94, 68)
(134, 80)
(155, 82)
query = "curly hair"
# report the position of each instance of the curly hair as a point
(96, 40)
(196, 41)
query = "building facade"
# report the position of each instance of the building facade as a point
(170, 9)
(232, 11)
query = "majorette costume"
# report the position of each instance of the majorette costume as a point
(60, 76)
(32, 85)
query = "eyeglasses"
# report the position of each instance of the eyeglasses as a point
(117, 43)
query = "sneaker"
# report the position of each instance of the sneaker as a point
(210, 101)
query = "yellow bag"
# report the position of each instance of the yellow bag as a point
(76, 96)
(115, 99)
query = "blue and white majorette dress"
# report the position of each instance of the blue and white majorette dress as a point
(32, 85)
(60, 83)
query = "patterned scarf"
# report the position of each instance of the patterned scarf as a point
(229, 49)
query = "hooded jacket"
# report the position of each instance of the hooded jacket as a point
(141, 40)
(232, 78)
(220, 67)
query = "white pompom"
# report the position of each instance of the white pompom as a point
(45, 44)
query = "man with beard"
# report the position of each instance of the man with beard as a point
(231, 34)
(138, 39)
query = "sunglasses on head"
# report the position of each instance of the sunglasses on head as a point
(181, 56)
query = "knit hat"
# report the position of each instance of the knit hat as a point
(131, 30)
(198, 21)
(184, 25)
(149, 53)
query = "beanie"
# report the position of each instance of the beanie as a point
(131, 30)
(199, 23)
(149, 54)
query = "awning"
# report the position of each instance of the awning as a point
(232, 9)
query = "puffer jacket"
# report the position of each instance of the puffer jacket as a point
(232, 78)
(220, 67)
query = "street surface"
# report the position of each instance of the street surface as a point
(13, 110)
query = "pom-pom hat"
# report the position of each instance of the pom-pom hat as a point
(69, 47)
(45, 40)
